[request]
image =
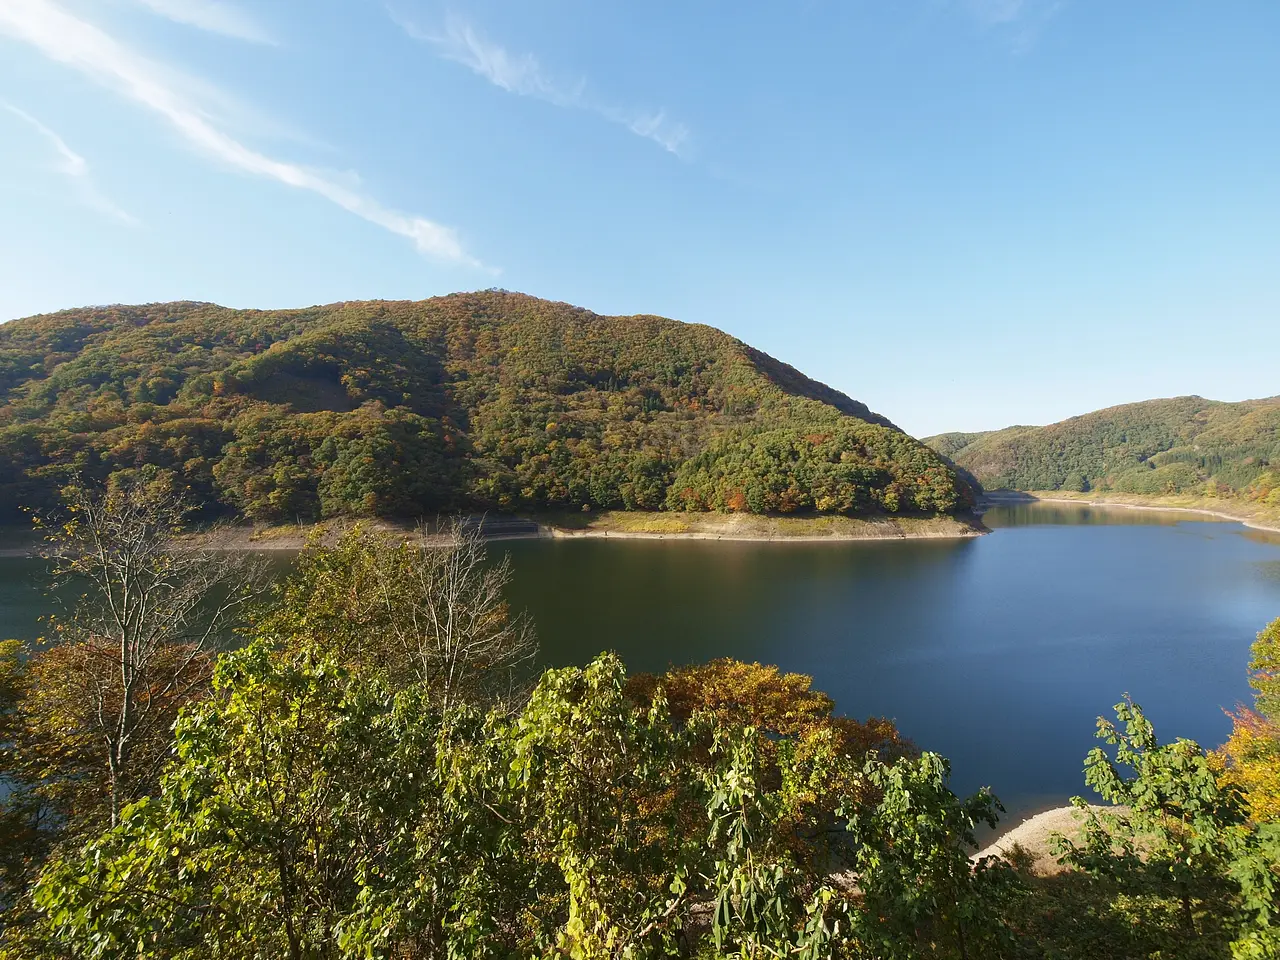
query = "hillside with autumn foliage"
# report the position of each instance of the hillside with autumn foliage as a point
(1183, 447)
(489, 400)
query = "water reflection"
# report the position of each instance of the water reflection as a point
(1037, 513)
(662, 602)
(23, 600)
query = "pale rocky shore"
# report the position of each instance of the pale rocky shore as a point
(1033, 836)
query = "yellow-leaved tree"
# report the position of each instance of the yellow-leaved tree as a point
(1250, 759)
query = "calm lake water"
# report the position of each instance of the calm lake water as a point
(998, 652)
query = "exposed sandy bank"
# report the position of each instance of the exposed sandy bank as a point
(1033, 834)
(618, 525)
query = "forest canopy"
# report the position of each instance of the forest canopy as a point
(491, 400)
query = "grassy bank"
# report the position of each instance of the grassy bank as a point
(742, 526)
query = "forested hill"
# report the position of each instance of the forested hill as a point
(1184, 445)
(488, 400)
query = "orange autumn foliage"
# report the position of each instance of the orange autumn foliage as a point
(787, 715)
(58, 739)
(779, 705)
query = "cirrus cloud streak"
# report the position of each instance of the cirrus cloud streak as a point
(74, 167)
(215, 16)
(66, 39)
(524, 76)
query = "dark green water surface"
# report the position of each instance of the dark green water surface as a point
(998, 652)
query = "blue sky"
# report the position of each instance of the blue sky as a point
(966, 213)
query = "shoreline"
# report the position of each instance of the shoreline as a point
(615, 525)
(1270, 526)
(738, 528)
(623, 526)
(1032, 835)
(732, 538)
(729, 528)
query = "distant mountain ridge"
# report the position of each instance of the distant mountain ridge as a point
(1178, 446)
(489, 400)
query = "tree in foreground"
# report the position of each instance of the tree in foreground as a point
(1264, 671)
(429, 610)
(1251, 757)
(779, 705)
(23, 839)
(147, 611)
(313, 812)
(1180, 834)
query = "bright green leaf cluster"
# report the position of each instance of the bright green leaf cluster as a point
(1180, 833)
(313, 812)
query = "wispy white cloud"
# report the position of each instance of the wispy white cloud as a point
(524, 76)
(74, 167)
(76, 43)
(996, 11)
(1021, 20)
(215, 16)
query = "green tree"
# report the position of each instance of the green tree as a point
(292, 802)
(1264, 671)
(910, 852)
(429, 609)
(1178, 832)
(313, 812)
(1175, 827)
(137, 643)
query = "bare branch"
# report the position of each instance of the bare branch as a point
(428, 610)
(151, 613)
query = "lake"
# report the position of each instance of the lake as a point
(998, 652)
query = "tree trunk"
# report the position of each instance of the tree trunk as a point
(113, 776)
(1187, 916)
